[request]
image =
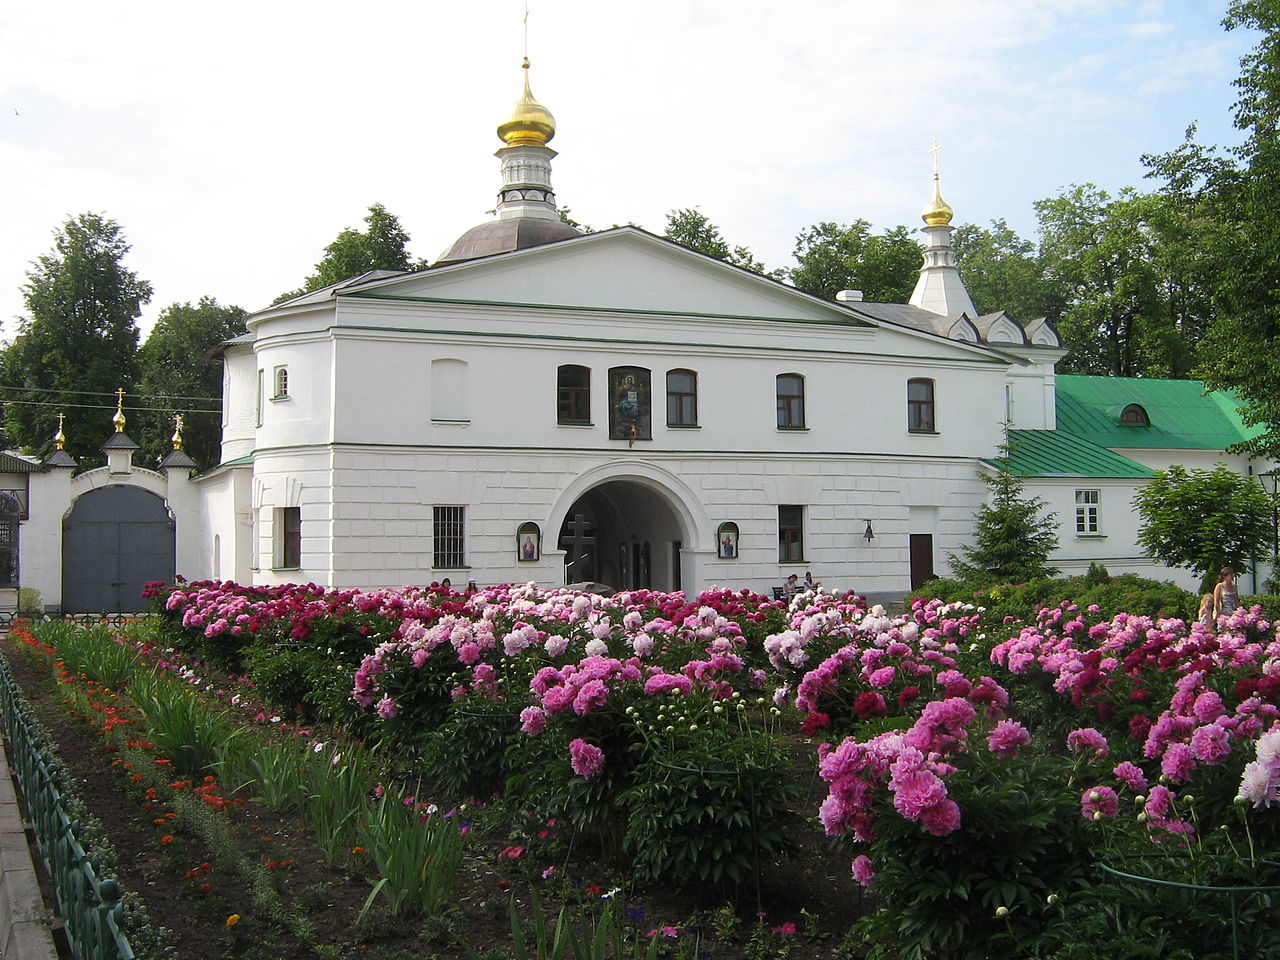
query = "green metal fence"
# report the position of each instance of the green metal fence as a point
(89, 906)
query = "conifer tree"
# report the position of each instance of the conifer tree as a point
(1012, 537)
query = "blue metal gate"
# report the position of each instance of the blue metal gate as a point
(115, 539)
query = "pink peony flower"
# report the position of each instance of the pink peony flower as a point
(1178, 761)
(1099, 802)
(863, 871)
(942, 819)
(1007, 737)
(586, 759)
(1087, 738)
(1132, 776)
(533, 720)
(387, 708)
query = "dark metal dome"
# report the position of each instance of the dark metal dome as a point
(504, 236)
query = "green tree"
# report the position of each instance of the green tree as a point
(691, 228)
(180, 375)
(78, 342)
(1012, 538)
(832, 257)
(1099, 250)
(1003, 271)
(381, 246)
(1232, 205)
(1203, 519)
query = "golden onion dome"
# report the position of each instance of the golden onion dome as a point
(531, 123)
(937, 213)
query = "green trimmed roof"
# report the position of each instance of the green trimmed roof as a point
(1053, 453)
(1182, 415)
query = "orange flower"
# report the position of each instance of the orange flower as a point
(205, 887)
(167, 838)
(233, 920)
(357, 850)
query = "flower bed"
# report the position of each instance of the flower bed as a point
(977, 772)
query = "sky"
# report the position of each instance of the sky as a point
(232, 143)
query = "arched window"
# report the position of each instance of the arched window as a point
(790, 401)
(573, 394)
(281, 383)
(1135, 416)
(920, 418)
(682, 398)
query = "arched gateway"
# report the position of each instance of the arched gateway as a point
(627, 531)
(114, 540)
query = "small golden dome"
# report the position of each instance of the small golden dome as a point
(936, 212)
(531, 123)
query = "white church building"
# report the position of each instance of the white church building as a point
(613, 408)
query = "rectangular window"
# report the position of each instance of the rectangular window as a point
(920, 406)
(790, 533)
(1087, 511)
(288, 538)
(448, 538)
(261, 389)
(682, 398)
(790, 401)
(573, 394)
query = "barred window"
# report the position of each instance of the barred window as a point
(282, 383)
(448, 538)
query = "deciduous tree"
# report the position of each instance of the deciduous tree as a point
(78, 342)
(691, 228)
(1203, 519)
(834, 257)
(180, 374)
(382, 245)
(1003, 271)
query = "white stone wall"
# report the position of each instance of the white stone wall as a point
(380, 532)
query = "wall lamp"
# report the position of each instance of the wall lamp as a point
(869, 534)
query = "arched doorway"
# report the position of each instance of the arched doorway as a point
(625, 534)
(114, 540)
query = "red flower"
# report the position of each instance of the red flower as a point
(869, 704)
(813, 723)
(907, 694)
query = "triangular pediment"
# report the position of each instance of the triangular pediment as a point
(622, 269)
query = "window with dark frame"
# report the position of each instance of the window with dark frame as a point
(790, 401)
(1087, 502)
(288, 521)
(447, 541)
(1135, 415)
(790, 533)
(920, 417)
(682, 398)
(573, 394)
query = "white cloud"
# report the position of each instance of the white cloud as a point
(233, 143)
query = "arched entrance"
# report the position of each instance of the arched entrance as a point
(625, 534)
(114, 540)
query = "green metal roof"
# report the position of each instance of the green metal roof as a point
(1053, 453)
(1182, 415)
